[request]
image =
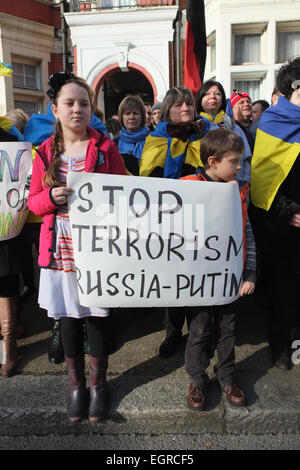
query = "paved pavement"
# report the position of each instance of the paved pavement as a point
(149, 392)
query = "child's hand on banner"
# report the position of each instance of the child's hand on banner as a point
(247, 288)
(295, 222)
(60, 194)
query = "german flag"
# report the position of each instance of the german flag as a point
(195, 45)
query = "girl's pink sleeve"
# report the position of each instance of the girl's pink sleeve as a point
(117, 162)
(39, 200)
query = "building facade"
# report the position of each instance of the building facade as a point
(137, 46)
(125, 46)
(248, 41)
(31, 42)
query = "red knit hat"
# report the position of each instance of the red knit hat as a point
(236, 96)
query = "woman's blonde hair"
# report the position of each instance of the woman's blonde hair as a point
(51, 177)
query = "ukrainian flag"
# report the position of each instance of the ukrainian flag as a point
(169, 153)
(277, 146)
(5, 70)
(9, 127)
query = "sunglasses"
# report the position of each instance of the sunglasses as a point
(296, 84)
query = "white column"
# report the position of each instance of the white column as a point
(270, 59)
(223, 52)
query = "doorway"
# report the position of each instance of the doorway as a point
(120, 84)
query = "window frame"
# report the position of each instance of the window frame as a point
(37, 70)
(247, 29)
(285, 27)
(250, 76)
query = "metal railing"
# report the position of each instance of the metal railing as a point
(91, 5)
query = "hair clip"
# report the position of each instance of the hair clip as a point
(296, 84)
(56, 81)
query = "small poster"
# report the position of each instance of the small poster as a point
(15, 167)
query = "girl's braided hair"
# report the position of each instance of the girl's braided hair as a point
(56, 82)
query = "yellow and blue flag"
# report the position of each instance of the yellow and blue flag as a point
(5, 70)
(40, 127)
(277, 146)
(9, 127)
(169, 153)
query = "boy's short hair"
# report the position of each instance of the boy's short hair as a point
(219, 141)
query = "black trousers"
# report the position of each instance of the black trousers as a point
(98, 331)
(174, 318)
(9, 285)
(197, 352)
(284, 311)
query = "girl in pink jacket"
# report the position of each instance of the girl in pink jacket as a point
(73, 147)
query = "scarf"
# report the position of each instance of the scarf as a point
(277, 146)
(133, 142)
(217, 118)
(170, 153)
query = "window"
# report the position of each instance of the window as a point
(246, 48)
(288, 45)
(252, 87)
(26, 75)
(29, 107)
(211, 52)
(213, 57)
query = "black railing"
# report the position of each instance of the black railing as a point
(91, 5)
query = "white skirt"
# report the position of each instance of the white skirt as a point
(58, 292)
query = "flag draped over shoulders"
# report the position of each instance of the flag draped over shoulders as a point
(277, 146)
(169, 153)
(40, 127)
(9, 127)
(195, 45)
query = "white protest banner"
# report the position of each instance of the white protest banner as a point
(154, 241)
(15, 167)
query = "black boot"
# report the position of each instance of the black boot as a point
(56, 350)
(77, 407)
(99, 395)
(282, 360)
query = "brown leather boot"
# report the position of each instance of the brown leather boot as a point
(195, 398)
(77, 407)
(8, 310)
(235, 395)
(99, 395)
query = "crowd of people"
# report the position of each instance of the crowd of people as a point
(204, 138)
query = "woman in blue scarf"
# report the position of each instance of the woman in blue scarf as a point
(131, 138)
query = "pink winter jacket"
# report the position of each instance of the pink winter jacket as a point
(102, 156)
